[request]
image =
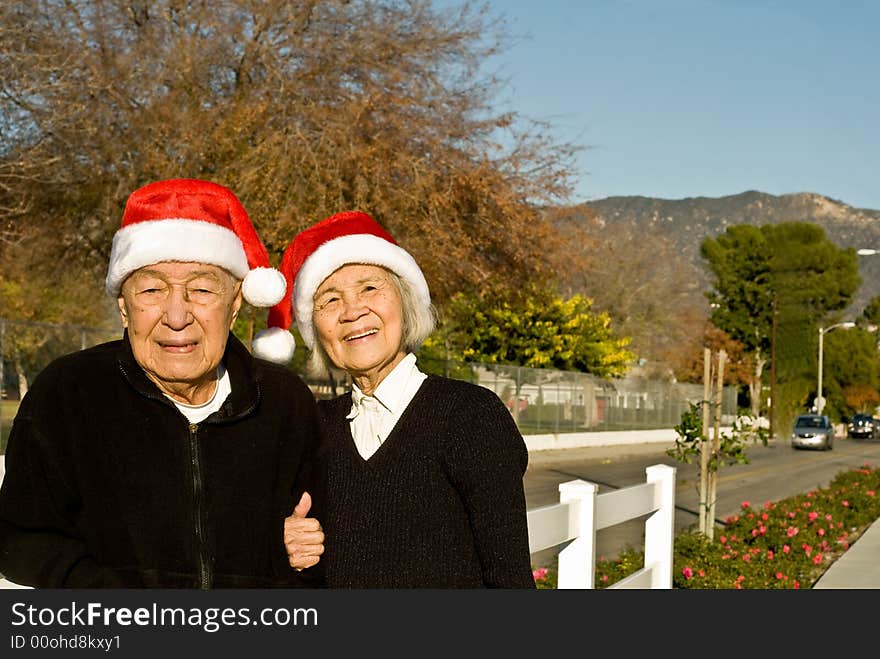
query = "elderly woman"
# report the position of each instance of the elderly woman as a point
(424, 473)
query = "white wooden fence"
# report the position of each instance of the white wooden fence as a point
(581, 512)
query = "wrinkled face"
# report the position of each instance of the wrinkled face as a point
(178, 317)
(358, 317)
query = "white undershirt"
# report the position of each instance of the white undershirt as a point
(198, 413)
(373, 417)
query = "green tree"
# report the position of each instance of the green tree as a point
(871, 313)
(851, 370)
(529, 329)
(741, 299)
(791, 269)
(535, 328)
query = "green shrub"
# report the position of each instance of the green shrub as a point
(784, 544)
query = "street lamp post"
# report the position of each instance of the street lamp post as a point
(820, 402)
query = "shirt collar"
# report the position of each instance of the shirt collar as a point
(391, 390)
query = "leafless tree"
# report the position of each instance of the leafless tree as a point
(304, 108)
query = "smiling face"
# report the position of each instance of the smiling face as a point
(358, 316)
(178, 317)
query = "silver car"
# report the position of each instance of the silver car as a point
(813, 431)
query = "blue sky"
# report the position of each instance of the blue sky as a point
(687, 98)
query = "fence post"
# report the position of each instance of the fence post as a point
(577, 562)
(660, 526)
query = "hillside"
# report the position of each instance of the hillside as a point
(664, 236)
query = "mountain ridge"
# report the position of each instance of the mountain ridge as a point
(690, 220)
(647, 270)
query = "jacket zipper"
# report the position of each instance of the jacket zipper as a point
(204, 564)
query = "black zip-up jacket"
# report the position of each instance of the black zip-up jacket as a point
(108, 485)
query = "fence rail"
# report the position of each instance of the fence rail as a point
(581, 512)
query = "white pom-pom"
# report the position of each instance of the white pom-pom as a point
(274, 344)
(264, 287)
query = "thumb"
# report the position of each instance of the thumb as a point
(302, 508)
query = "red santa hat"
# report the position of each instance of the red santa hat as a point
(316, 253)
(193, 220)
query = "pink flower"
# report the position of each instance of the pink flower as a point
(796, 585)
(745, 504)
(812, 516)
(845, 503)
(701, 572)
(792, 531)
(770, 554)
(779, 575)
(604, 577)
(540, 574)
(723, 539)
(687, 572)
(821, 531)
(791, 515)
(768, 505)
(765, 516)
(870, 493)
(785, 549)
(807, 549)
(828, 517)
(817, 559)
(747, 557)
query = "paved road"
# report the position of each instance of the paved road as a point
(775, 472)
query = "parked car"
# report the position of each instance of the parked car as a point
(862, 426)
(813, 431)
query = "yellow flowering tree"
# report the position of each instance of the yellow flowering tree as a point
(535, 327)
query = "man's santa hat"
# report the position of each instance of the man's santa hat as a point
(316, 253)
(193, 220)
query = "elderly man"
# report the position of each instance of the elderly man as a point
(169, 458)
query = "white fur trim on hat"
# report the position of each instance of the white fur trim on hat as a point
(275, 344)
(264, 287)
(182, 240)
(353, 248)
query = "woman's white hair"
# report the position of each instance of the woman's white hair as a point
(419, 322)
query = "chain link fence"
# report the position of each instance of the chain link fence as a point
(542, 401)
(545, 401)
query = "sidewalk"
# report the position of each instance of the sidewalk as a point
(859, 567)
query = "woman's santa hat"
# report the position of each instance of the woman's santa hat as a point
(316, 253)
(198, 221)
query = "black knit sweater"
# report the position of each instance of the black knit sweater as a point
(441, 502)
(108, 485)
